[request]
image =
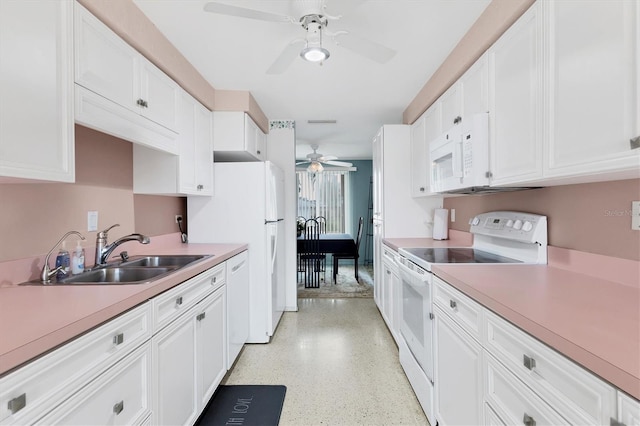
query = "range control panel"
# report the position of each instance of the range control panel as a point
(516, 226)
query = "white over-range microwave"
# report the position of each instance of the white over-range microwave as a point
(460, 156)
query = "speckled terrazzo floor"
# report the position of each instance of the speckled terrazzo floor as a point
(339, 364)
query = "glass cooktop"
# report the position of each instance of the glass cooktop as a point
(430, 255)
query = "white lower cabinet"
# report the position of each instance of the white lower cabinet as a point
(120, 396)
(159, 363)
(513, 401)
(628, 411)
(189, 354)
(488, 371)
(389, 301)
(458, 374)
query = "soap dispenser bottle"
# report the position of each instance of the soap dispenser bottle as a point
(77, 260)
(62, 259)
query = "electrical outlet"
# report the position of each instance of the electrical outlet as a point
(178, 218)
(635, 215)
(92, 221)
(453, 215)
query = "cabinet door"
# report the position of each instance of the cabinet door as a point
(211, 344)
(203, 160)
(593, 88)
(105, 64)
(174, 373)
(475, 88)
(515, 122)
(237, 305)
(187, 144)
(458, 374)
(387, 294)
(36, 90)
(419, 159)
(451, 102)
(160, 95)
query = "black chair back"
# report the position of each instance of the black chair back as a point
(322, 221)
(359, 237)
(311, 257)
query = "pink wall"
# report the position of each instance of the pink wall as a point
(33, 216)
(592, 217)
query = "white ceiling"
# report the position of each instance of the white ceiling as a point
(234, 53)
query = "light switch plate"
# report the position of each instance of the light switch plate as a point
(92, 221)
(453, 215)
(635, 215)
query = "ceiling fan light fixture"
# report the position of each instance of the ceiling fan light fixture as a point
(315, 167)
(314, 54)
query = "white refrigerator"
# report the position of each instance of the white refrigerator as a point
(247, 207)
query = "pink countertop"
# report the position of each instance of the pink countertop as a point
(35, 319)
(591, 320)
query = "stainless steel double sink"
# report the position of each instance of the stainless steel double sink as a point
(137, 270)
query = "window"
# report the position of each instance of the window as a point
(324, 194)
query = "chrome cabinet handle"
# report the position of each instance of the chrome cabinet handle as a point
(214, 280)
(118, 339)
(453, 304)
(258, 151)
(388, 272)
(457, 120)
(614, 422)
(634, 142)
(528, 420)
(235, 268)
(117, 408)
(431, 316)
(529, 362)
(179, 301)
(17, 403)
(201, 316)
(140, 102)
(200, 187)
(422, 189)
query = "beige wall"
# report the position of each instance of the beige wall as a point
(592, 217)
(33, 216)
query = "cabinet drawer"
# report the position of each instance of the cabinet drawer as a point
(578, 395)
(467, 313)
(120, 396)
(170, 304)
(514, 402)
(628, 411)
(36, 388)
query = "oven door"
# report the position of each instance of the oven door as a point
(447, 161)
(416, 323)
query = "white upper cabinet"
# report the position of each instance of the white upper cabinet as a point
(118, 91)
(515, 103)
(451, 107)
(475, 88)
(237, 138)
(592, 77)
(36, 91)
(190, 172)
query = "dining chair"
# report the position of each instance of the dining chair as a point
(311, 257)
(322, 222)
(353, 255)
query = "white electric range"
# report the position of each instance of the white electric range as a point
(501, 237)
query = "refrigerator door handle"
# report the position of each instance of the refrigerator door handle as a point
(274, 252)
(271, 221)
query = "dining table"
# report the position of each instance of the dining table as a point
(329, 243)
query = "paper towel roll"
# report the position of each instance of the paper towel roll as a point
(440, 224)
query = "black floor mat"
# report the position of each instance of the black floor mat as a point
(246, 405)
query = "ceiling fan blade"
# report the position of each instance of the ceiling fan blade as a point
(286, 57)
(227, 9)
(338, 163)
(302, 162)
(327, 158)
(365, 47)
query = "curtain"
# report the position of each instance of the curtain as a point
(323, 194)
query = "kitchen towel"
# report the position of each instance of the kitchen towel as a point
(440, 224)
(247, 405)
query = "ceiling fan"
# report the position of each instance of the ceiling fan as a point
(312, 17)
(316, 160)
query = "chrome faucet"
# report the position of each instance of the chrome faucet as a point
(47, 273)
(103, 250)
